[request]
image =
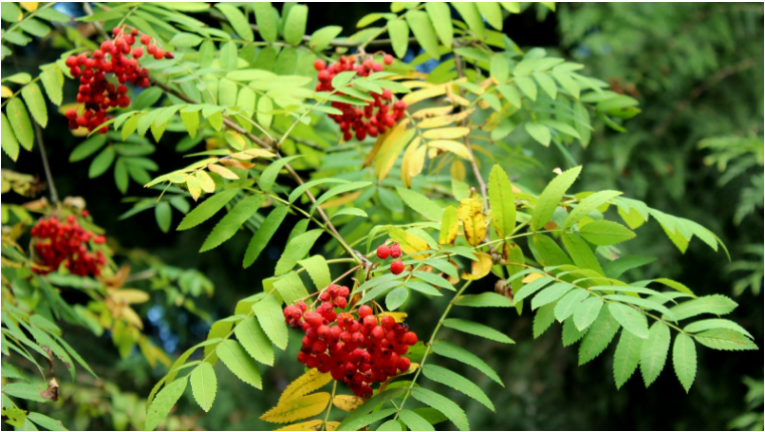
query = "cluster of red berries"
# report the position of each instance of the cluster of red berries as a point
(95, 92)
(394, 251)
(56, 242)
(359, 351)
(377, 115)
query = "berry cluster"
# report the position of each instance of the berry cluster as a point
(359, 351)
(377, 115)
(394, 251)
(56, 242)
(117, 57)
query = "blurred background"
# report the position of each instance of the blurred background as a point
(695, 151)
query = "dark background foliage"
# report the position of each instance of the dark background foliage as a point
(697, 70)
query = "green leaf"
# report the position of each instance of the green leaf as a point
(626, 357)
(551, 294)
(499, 68)
(33, 96)
(414, 421)
(191, 121)
(684, 360)
(717, 304)
(294, 27)
(204, 385)
(87, 148)
(229, 58)
(19, 120)
(230, 224)
(390, 425)
(34, 27)
(207, 209)
(446, 406)
(28, 391)
(440, 17)
(502, 200)
(708, 324)
(551, 197)
(53, 15)
(45, 421)
(471, 16)
(548, 85)
(164, 216)
(569, 303)
(529, 88)
(457, 382)
(11, 12)
(433, 279)
(318, 270)
(164, 402)
(486, 299)
(263, 235)
(396, 298)
(102, 162)
(357, 418)
(268, 177)
(571, 334)
(185, 40)
(296, 249)
(587, 205)
(9, 143)
(147, 98)
(254, 340)
(267, 25)
(237, 361)
(631, 318)
(605, 233)
(289, 286)
(421, 204)
(512, 7)
(446, 349)
(511, 94)
(600, 334)
(653, 354)
(424, 32)
(238, 21)
(614, 269)
(322, 37)
(580, 252)
(477, 329)
(530, 288)
(269, 314)
(725, 339)
(645, 303)
(543, 319)
(586, 313)
(337, 190)
(492, 13)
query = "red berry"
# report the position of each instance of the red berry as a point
(71, 114)
(116, 31)
(383, 252)
(319, 65)
(395, 251)
(396, 267)
(377, 67)
(365, 311)
(99, 239)
(138, 52)
(159, 53)
(169, 55)
(151, 48)
(403, 364)
(388, 59)
(410, 338)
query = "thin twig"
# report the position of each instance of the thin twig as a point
(88, 10)
(48, 175)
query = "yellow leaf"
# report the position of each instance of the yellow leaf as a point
(455, 147)
(66, 107)
(310, 425)
(242, 156)
(392, 147)
(446, 133)
(205, 181)
(450, 225)
(306, 383)
(416, 84)
(426, 93)
(129, 315)
(455, 97)
(6, 92)
(332, 426)
(444, 120)
(412, 368)
(223, 172)
(233, 163)
(347, 403)
(376, 148)
(398, 316)
(480, 268)
(406, 178)
(472, 220)
(236, 140)
(458, 170)
(297, 409)
(345, 199)
(531, 277)
(486, 83)
(129, 296)
(260, 153)
(194, 189)
(30, 6)
(432, 112)
(409, 242)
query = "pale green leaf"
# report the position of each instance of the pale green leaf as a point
(626, 357)
(443, 404)
(263, 235)
(237, 361)
(551, 196)
(204, 385)
(684, 360)
(164, 402)
(598, 337)
(477, 329)
(653, 354)
(605, 233)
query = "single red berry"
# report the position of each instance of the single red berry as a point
(319, 65)
(169, 55)
(395, 251)
(138, 52)
(388, 322)
(410, 338)
(151, 48)
(116, 31)
(383, 252)
(377, 67)
(396, 267)
(159, 53)
(388, 59)
(403, 364)
(145, 39)
(71, 114)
